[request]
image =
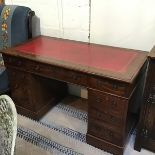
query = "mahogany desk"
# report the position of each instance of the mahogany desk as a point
(111, 75)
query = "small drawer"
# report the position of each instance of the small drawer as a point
(75, 77)
(103, 116)
(56, 72)
(13, 61)
(110, 86)
(42, 69)
(105, 132)
(107, 103)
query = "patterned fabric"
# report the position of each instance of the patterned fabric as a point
(5, 27)
(8, 125)
(5, 23)
(13, 30)
(64, 134)
(1, 8)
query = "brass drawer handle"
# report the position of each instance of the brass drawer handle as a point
(100, 83)
(37, 67)
(75, 77)
(16, 86)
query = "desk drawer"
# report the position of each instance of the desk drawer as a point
(108, 104)
(75, 77)
(57, 73)
(105, 132)
(110, 86)
(47, 70)
(104, 117)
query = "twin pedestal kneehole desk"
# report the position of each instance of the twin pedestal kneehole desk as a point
(40, 69)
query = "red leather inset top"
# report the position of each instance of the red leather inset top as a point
(90, 55)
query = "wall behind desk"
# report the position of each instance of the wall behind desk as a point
(120, 23)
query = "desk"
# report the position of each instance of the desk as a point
(41, 67)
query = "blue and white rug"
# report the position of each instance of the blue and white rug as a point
(62, 131)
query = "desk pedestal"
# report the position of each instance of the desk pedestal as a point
(110, 120)
(35, 95)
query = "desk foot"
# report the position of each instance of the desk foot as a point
(104, 145)
(35, 95)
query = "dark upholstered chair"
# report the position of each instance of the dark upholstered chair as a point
(15, 28)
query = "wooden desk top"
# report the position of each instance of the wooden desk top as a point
(117, 63)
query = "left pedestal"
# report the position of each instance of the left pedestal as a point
(34, 95)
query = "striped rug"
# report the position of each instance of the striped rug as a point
(62, 131)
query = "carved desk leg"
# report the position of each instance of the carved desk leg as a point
(34, 95)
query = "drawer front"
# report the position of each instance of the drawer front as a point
(58, 73)
(13, 61)
(75, 77)
(110, 86)
(105, 132)
(47, 70)
(108, 104)
(103, 117)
